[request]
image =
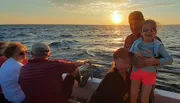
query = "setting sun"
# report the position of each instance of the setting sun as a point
(116, 17)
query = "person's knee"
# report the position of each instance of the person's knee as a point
(144, 100)
(134, 90)
(134, 94)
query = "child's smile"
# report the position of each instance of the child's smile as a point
(149, 35)
(148, 32)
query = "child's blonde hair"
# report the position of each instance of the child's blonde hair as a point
(150, 21)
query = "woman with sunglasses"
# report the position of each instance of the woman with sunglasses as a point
(9, 72)
(154, 54)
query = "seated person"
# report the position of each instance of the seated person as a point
(115, 87)
(41, 79)
(2, 60)
(9, 73)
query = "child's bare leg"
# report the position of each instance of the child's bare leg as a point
(135, 84)
(146, 90)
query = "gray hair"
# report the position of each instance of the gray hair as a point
(40, 54)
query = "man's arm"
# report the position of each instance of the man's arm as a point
(127, 43)
(67, 66)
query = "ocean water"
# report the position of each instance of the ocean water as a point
(96, 43)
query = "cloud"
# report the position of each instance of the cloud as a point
(151, 3)
(82, 2)
(86, 6)
(97, 6)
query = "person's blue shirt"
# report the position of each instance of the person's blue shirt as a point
(154, 49)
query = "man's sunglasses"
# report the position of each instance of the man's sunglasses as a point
(22, 53)
(148, 30)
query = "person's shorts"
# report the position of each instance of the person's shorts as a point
(147, 78)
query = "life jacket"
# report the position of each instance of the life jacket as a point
(157, 45)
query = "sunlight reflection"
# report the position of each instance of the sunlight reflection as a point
(118, 39)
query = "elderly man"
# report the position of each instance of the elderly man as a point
(41, 79)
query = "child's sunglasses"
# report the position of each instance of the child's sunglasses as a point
(22, 53)
(148, 30)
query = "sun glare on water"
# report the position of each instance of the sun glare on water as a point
(116, 17)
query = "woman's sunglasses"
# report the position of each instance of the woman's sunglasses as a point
(22, 53)
(148, 30)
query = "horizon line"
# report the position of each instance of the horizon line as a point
(88, 24)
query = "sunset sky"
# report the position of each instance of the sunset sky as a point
(101, 12)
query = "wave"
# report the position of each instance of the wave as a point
(99, 53)
(82, 52)
(65, 36)
(63, 43)
(168, 87)
(1, 36)
(103, 35)
(175, 56)
(174, 48)
(22, 34)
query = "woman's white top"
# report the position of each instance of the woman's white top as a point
(9, 76)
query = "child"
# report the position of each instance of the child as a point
(115, 87)
(150, 49)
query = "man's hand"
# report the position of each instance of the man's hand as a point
(139, 61)
(138, 55)
(81, 62)
(152, 61)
